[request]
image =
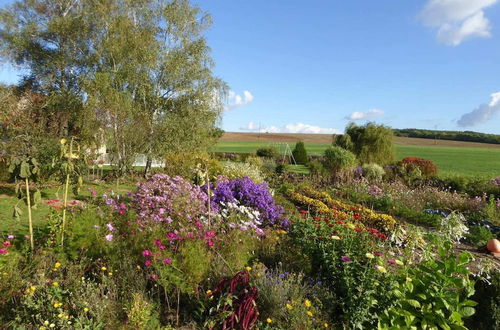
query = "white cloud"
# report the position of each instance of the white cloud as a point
(481, 114)
(457, 20)
(357, 115)
(290, 128)
(234, 100)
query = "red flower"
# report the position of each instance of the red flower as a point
(303, 212)
(6, 244)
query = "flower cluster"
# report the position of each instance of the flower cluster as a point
(163, 198)
(248, 193)
(114, 203)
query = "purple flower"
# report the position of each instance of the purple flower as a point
(148, 263)
(345, 259)
(146, 253)
(109, 237)
(259, 231)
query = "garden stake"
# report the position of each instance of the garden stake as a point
(66, 188)
(32, 241)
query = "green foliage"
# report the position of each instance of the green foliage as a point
(448, 135)
(373, 172)
(487, 295)
(371, 143)
(339, 160)
(433, 294)
(479, 236)
(269, 152)
(300, 154)
(343, 141)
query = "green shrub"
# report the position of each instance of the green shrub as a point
(269, 152)
(371, 143)
(479, 236)
(300, 153)
(339, 160)
(426, 167)
(239, 170)
(373, 172)
(343, 141)
(316, 168)
(487, 295)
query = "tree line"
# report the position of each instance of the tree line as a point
(468, 136)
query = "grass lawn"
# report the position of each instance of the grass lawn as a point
(460, 160)
(10, 225)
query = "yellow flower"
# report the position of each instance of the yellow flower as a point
(69, 322)
(350, 225)
(277, 238)
(209, 292)
(309, 313)
(55, 283)
(57, 265)
(52, 325)
(110, 273)
(325, 325)
(61, 315)
(103, 268)
(33, 288)
(62, 141)
(335, 237)
(289, 306)
(307, 303)
(369, 256)
(381, 269)
(268, 320)
(399, 262)
(248, 268)
(41, 328)
(46, 323)
(85, 309)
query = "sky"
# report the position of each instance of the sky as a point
(314, 66)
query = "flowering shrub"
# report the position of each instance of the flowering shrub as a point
(425, 166)
(163, 199)
(248, 193)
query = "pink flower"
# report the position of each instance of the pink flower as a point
(259, 231)
(378, 254)
(167, 261)
(3, 251)
(109, 237)
(146, 253)
(93, 192)
(10, 236)
(391, 262)
(6, 244)
(148, 263)
(110, 227)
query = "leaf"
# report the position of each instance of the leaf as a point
(25, 170)
(468, 303)
(17, 212)
(413, 303)
(37, 197)
(467, 311)
(456, 317)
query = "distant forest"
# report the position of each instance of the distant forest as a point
(448, 135)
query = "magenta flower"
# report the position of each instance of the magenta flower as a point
(345, 259)
(148, 263)
(391, 262)
(167, 261)
(378, 254)
(10, 236)
(146, 253)
(109, 237)
(3, 251)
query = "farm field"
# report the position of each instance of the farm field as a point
(467, 158)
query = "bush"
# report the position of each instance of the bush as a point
(234, 171)
(184, 164)
(479, 236)
(316, 168)
(269, 152)
(426, 167)
(373, 172)
(339, 160)
(300, 153)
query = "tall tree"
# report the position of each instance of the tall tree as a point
(135, 72)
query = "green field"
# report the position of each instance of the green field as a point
(461, 160)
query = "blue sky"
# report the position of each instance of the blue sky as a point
(312, 66)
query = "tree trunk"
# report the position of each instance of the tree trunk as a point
(149, 162)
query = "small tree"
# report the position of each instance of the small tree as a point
(371, 143)
(343, 141)
(300, 153)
